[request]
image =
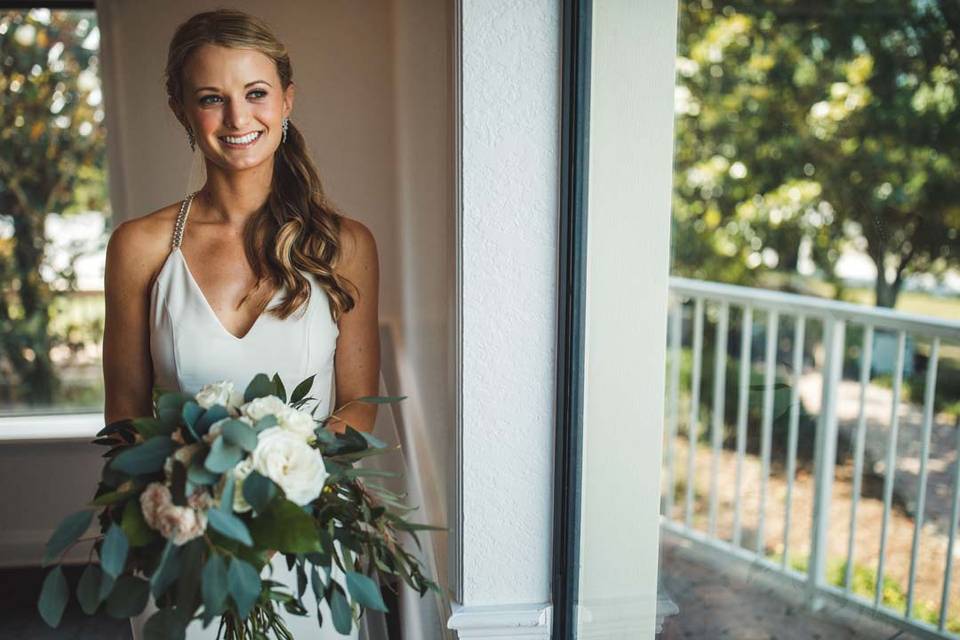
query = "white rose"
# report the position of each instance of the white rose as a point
(298, 422)
(295, 466)
(221, 393)
(265, 406)
(240, 473)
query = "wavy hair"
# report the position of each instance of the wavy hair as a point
(296, 222)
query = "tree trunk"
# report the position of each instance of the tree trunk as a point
(886, 292)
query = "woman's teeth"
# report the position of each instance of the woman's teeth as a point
(247, 139)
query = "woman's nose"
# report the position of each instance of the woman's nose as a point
(237, 114)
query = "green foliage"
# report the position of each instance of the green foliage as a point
(863, 583)
(66, 534)
(801, 123)
(53, 597)
(352, 524)
(113, 552)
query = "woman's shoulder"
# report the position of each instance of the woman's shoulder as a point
(357, 243)
(139, 246)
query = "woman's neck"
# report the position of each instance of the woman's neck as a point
(234, 197)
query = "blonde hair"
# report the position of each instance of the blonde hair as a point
(296, 222)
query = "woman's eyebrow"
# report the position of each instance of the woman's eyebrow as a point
(199, 89)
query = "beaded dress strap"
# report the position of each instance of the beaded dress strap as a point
(182, 219)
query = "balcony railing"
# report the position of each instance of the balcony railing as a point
(787, 322)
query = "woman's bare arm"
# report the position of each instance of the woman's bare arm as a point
(357, 359)
(133, 257)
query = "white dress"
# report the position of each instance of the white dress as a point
(190, 347)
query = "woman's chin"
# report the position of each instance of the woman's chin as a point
(233, 162)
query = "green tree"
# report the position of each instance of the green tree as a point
(818, 124)
(52, 150)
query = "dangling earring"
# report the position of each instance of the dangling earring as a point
(285, 125)
(191, 140)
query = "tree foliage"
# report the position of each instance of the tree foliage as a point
(815, 125)
(52, 153)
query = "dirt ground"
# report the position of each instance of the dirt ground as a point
(931, 557)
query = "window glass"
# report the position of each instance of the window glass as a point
(817, 168)
(54, 212)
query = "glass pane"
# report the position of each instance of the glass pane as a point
(813, 396)
(54, 212)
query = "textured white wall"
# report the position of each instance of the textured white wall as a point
(510, 151)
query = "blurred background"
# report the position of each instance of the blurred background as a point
(814, 403)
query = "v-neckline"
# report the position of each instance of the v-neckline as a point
(206, 302)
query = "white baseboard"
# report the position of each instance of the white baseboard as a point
(524, 621)
(25, 547)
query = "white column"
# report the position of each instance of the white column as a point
(510, 56)
(631, 150)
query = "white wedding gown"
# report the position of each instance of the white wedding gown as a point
(190, 347)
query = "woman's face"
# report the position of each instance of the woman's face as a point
(233, 102)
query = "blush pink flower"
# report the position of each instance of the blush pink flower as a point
(178, 524)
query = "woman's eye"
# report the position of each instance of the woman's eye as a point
(206, 100)
(257, 93)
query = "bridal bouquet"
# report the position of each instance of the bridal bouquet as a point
(194, 501)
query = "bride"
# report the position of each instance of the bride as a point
(254, 272)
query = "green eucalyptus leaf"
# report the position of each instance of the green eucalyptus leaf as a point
(243, 585)
(365, 591)
(216, 413)
(284, 526)
(198, 474)
(226, 496)
(150, 427)
(259, 491)
(113, 551)
(240, 434)
(214, 586)
(66, 533)
(317, 583)
(302, 389)
(129, 597)
(138, 532)
(230, 526)
(53, 597)
(88, 589)
(165, 624)
(265, 423)
(167, 570)
(259, 387)
(373, 441)
(340, 610)
(278, 389)
(170, 407)
(145, 458)
(381, 399)
(222, 456)
(191, 412)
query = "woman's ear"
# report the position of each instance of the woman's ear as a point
(288, 95)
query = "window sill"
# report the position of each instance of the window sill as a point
(50, 428)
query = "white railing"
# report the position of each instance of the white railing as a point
(695, 297)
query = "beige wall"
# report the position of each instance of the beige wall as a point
(341, 55)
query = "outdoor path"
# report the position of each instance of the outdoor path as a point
(878, 406)
(721, 599)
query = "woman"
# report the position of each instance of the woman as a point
(253, 273)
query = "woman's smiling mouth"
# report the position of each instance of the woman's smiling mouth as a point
(240, 142)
